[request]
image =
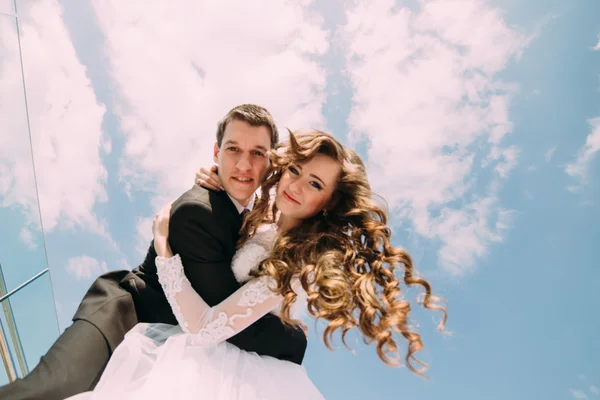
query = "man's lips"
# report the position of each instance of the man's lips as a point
(242, 179)
(290, 198)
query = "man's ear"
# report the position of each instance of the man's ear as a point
(216, 153)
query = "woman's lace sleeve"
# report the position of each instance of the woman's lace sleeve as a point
(212, 325)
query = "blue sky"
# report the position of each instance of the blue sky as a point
(479, 123)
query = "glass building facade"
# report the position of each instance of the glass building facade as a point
(28, 319)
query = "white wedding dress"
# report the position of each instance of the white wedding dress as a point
(192, 360)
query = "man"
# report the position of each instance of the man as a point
(203, 230)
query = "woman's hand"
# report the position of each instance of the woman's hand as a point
(160, 230)
(209, 178)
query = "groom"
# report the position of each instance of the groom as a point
(203, 230)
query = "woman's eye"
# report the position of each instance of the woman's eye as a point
(315, 185)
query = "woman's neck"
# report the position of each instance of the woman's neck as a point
(285, 223)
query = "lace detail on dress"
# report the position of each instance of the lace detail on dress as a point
(255, 250)
(257, 292)
(208, 325)
(171, 276)
(213, 332)
(254, 293)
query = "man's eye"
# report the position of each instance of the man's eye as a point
(259, 154)
(232, 148)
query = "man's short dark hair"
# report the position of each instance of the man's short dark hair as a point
(253, 115)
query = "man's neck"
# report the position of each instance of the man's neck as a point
(249, 203)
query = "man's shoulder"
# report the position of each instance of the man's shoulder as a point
(196, 195)
(209, 204)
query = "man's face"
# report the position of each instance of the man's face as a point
(242, 159)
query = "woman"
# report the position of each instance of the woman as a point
(320, 245)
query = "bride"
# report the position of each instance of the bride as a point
(321, 247)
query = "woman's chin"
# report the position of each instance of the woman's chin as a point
(284, 207)
(281, 205)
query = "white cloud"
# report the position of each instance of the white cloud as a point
(427, 101)
(143, 235)
(26, 237)
(123, 264)
(506, 159)
(597, 47)
(466, 232)
(579, 168)
(17, 184)
(595, 390)
(65, 120)
(578, 394)
(7, 7)
(85, 267)
(549, 153)
(178, 69)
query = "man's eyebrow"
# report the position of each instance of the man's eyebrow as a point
(259, 147)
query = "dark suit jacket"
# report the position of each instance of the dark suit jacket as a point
(203, 230)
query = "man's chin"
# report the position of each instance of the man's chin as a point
(241, 196)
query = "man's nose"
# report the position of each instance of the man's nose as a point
(243, 163)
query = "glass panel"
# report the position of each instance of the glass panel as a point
(22, 252)
(28, 319)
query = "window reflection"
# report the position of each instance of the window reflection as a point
(28, 323)
(31, 326)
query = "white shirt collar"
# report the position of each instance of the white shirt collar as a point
(240, 207)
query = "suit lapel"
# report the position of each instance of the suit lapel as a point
(230, 214)
(229, 205)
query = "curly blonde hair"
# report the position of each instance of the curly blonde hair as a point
(343, 258)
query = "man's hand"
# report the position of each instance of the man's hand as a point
(209, 178)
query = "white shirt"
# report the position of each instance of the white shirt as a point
(240, 207)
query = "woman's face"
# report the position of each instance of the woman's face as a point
(305, 189)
